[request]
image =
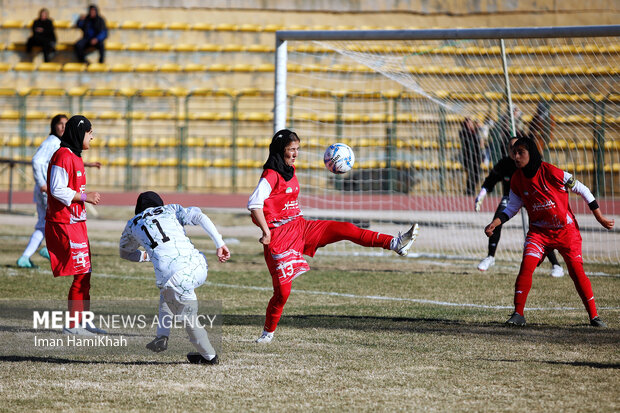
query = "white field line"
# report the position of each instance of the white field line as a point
(366, 297)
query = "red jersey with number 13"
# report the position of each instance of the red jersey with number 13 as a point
(281, 206)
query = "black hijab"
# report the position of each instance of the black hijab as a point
(532, 166)
(55, 121)
(146, 200)
(275, 160)
(73, 138)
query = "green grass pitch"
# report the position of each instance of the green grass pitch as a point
(358, 333)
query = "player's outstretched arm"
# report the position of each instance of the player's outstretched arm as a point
(606, 223)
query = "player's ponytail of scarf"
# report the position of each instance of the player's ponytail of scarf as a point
(146, 200)
(532, 166)
(75, 129)
(55, 121)
(275, 160)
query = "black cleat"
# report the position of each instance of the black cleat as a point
(159, 344)
(597, 322)
(197, 358)
(516, 319)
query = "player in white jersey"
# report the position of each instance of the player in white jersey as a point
(179, 266)
(40, 162)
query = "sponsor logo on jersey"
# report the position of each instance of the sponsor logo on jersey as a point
(290, 205)
(541, 206)
(288, 190)
(79, 173)
(78, 245)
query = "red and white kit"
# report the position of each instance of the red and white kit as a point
(65, 229)
(552, 226)
(292, 236)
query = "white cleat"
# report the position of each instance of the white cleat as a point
(265, 338)
(403, 242)
(91, 327)
(486, 263)
(78, 331)
(557, 271)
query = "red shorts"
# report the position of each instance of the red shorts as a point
(68, 247)
(284, 255)
(567, 241)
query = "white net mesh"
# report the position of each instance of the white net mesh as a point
(401, 105)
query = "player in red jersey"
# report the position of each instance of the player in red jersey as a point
(65, 221)
(543, 190)
(286, 235)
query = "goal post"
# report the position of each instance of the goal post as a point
(400, 99)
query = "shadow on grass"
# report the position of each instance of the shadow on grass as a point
(56, 360)
(573, 334)
(592, 364)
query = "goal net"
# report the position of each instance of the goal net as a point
(428, 113)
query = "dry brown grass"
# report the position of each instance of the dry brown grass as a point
(334, 352)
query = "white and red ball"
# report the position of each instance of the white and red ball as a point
(339, 158)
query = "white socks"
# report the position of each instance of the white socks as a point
(33, 244)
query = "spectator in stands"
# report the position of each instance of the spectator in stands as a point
(471, 154)
(43, 35)
(95, 32)
(541, 126)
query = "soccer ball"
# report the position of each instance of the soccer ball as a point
(339, 158)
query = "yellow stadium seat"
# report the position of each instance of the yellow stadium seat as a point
(167, 142)
(198, 163)
(130, 24)
(74, 67)
(219, 67)
(24, 67)
(273, 27)
(209, 47)
(256, 117)
(141, 141)
(97, 67)
(225, 27)
(193, 67)
(297, 27)
(9, 114)
(13, 24)
(160, 116)
(265, 67)
(138, 47)
(250, 28)
(243, 67)
(170, 67)
(232, 48)
(146, 67)
(116, 143)
(145, 162)
(206, 116)
(247, 163)
(202, 26)
(114, 46)
(110, 115)
(184, 47)
(4, 67)
(161, 47)
(222, 163)
(178, 26)
(154, 26)
(50, 67)
(194, 141)
(112, 24)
